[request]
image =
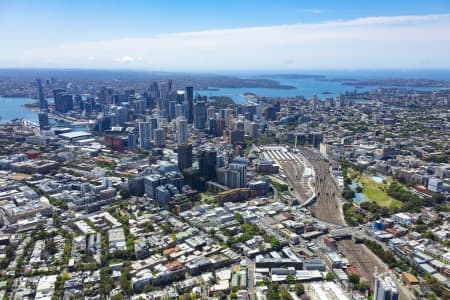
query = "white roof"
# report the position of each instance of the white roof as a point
(74, 134)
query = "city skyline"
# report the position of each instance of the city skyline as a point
(224, 150)
(225, 36)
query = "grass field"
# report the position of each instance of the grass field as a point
(208, 197)
(376, 192)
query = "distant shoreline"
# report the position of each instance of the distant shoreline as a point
(16, 96)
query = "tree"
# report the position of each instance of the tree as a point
(299, 289)
(239, 218)
(284, 294)
(353, 278)
(362, 286)
(125, 284)
(330, 276)
(231, 241)
(65, 276)
(438, 198)
(106, 282)
(359, 189)
(4, 262)
(148, 227)
(50, 247)
(290, 279)
(347, 193)
(212, 280)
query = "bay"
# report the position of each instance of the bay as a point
(306, 86)
(13, 108)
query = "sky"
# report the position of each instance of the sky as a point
(200, 35)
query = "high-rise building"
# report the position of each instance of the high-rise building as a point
(139, 106)
(182, 133)
(238, 175)
(189, 99)
(165, 88)
(159, 137)
(154, 90)
(212, 126)
(122, 116)
(250, 128)
(225, 113)
(43, 104)
(130, 95)
(221, 125)
(184, 156)
(172, 110)
(78, 101)
(131, 141)
(105, 95)
(178, 110)
(144, 135)
(314, 102)
(153, 122)
(63, 101)
(153, 125)
(207, 163)
(385, 287)
(210, 112)
(200, 115)
(43, 120)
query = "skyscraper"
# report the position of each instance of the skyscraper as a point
(182, 133)
(131, 141)
(63, 101)
(165, 88)
(153, 125)
(211, 112)
(189, 98)
(178, 110)
(184, 156)
(385, 287)
(207, 163)
(250, 128)
(43, 120)
(238, 174)
(212, 126)
(159, 137)
(154, 90)
(200, 115)
(172, 110)
(153, 121)
(43, 104)
(139, 106)
(122, 115)
(130, 95)
(144, 135)
(78, 101)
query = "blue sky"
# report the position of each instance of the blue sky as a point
(35, 33)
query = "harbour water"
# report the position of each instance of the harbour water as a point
(305, 86)
(11, 108)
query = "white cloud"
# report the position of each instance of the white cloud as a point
(125, 59)
(374, 42)
(313, 11)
